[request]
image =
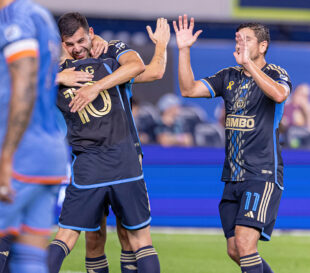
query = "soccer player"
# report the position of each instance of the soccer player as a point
(95, 241)
(66, 237)
(33, 153)
(254, 93)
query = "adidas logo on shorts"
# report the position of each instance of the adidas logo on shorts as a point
(249, 214)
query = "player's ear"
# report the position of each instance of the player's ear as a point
(263, 47)
(91, 33)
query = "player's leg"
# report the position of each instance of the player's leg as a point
(131, 205)
(232, 250)
(256, 218)
(128, 257)
(28, 253)
(146, 255)
(96, 260)
(246, 239)
(61, 247)
(80, 212)
(228, 209)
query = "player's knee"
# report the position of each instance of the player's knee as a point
(245, 246)
(68, 236)
(123, 239)
(95, 241)
(139, 238)
(233, 254)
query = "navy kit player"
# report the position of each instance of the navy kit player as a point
(33, 153)
(254, 94)
(66, 237)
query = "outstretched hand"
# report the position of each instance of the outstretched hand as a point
(241, 54)
(162, 32)
(184, 33)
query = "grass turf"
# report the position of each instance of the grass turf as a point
(189, 253)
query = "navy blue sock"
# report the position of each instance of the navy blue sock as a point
(128, 262)
(147, 260)
(251, 263)
(27, 259)
(5, 247)
(57, 252)
(266, 267)
(97, 265)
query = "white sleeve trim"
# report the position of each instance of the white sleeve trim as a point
(19, 46)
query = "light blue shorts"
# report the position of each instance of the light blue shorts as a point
(32, 210)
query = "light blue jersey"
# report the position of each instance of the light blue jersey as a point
(26, 29)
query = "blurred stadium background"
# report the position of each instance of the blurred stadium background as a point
(184, 179)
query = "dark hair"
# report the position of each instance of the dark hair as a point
(69, 23)
(261, 32)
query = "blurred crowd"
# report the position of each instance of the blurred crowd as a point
(295, 124)
(173, 122)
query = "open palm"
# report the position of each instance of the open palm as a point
(242, 54)
(184, 33)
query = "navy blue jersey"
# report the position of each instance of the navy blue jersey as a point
(252, 119)
(96, 124)
(116, 49)
(102, 146)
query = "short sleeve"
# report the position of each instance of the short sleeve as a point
(116, 49)
(20, 41)
(215, 83)
(279, 75)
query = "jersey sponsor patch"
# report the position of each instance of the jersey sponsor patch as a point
(12, 32)
(240, 122)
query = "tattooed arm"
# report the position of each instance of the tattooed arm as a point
(23, 94)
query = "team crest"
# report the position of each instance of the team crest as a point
(12, 32)
(240, 104)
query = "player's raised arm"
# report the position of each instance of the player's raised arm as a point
(23, 71)
(155, 70)
(185, 39)
(275, 91)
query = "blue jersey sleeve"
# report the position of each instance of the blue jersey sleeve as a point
(19, 40)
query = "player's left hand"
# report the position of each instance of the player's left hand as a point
(6, 191)
(83, 96)
(162, 32)
(99, 46)
(241, 54)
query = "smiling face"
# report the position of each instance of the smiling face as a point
(79, 44)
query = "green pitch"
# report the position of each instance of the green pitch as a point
(186, 253)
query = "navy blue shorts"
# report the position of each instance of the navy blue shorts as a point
(250, 203)
(83, 209)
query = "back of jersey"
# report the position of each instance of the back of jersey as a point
(25, 26)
